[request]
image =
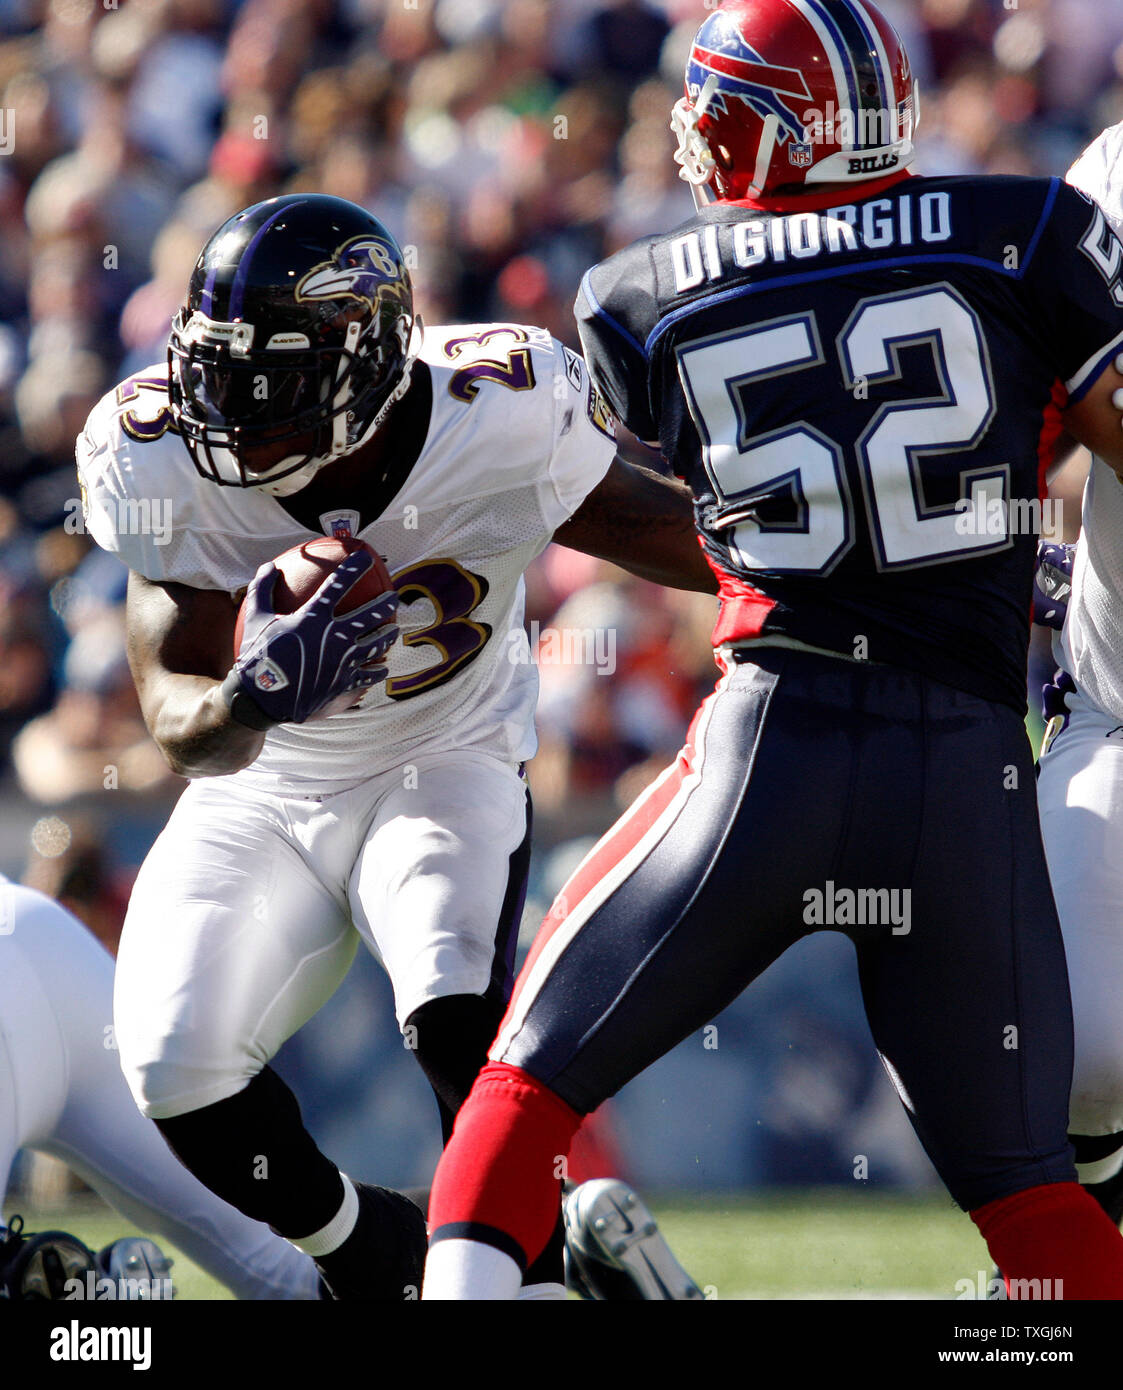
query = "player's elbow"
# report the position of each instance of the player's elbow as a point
(197, 736)
(194, 758)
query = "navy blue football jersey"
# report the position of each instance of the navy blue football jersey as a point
(863, 397)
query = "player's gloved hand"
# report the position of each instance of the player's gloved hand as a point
(1052, 583)
(291, 665)
(1054, 696)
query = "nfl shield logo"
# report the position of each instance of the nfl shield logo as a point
(799, 155)
(341, 523)
(268, 675)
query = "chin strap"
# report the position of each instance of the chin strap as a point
(341, 440)
(416, 338)
(764, 155)
(339, 426)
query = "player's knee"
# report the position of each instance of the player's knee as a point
(167, 1086)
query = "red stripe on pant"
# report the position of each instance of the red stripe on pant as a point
(501, 1170)
(1057, 1237)
(612, 848)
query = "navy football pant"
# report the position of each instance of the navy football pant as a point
(810, 788)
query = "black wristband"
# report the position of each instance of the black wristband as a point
(242, 708)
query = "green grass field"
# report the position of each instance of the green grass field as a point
(808, 1245)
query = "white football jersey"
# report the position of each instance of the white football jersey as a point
(1090, 647)
(516, 441)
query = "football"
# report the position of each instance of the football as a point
(305, 567)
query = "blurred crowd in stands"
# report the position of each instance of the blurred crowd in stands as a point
(508, 144)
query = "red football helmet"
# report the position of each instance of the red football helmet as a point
(793, 92)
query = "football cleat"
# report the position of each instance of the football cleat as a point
(614, 1251)
(383, 1259)
(138, 1267)
(38, 1267)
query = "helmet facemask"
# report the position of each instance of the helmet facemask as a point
(694, 157)
(230, 398)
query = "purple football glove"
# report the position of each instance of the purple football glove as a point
(1052, 583)
(291, 665)
(1054, 696)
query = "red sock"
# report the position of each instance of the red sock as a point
(593, 1151)
(499, 1179)
(1058, 1237)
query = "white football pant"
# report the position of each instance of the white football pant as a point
(62, 1092)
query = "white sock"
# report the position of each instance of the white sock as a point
(469, 1269)
(1101, 1169)
(542, 1293)
(332, 1236)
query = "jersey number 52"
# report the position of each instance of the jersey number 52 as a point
(891, 449)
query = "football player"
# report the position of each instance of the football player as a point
(859, 371)
(62, 1093)
(1081, 778)
(300, 398)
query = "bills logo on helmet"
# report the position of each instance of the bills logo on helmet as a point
(783, 92)
(364, 268)
(742, 72)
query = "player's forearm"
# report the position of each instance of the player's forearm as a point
(194, 729)
(679, 563)
(643, 522)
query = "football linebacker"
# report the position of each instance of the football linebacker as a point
(855, 368)
(62, 1093)
(300, 398)
(1081, 777)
